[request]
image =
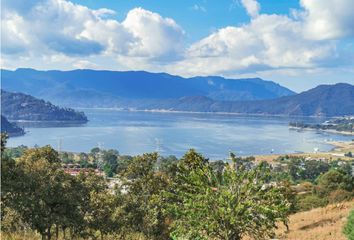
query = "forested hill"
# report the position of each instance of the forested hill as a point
(19, 106)
(10, 128)
(105, 88)
(324, 100)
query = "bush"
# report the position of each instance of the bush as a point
(307, 202)
(339, 195)
(304, 187)
(349, 227)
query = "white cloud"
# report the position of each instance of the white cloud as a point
(328, 19)
(59, 26)
(252, 7)
(157, 36)
(267, 42)
(61, 34)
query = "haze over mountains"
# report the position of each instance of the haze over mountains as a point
(106, 88)
(161, 91)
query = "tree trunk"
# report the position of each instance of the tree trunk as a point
(71, 234)
(56, 232)
(49, 236)
(64, 233)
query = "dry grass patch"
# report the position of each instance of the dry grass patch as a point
(318, 224)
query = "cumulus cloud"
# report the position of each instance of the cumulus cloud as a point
(252, 7)
(59, 34)
(157, 36)
(271, 42)
(328, 19)
(59, 26)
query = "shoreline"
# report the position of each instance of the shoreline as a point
(199, 112)
(323, 130)
(338, 151)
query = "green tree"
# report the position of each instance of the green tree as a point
(349, 226)
(38, 195)
(143, 201)
(206, 205)
(333, 180)
(104, 214)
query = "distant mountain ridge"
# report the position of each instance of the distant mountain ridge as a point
(324, 100)
(160, 91)
(107, 88)
(19, 106)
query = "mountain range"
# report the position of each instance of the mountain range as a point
(161, 91)
(324, 100)
(90, 88)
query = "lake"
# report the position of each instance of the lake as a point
(214, 135)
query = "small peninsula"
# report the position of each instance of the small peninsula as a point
(10, 128)
(23, 107)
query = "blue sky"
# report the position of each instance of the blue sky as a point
(297, 43)
(197, 18)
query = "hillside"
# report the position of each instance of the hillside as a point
(19, 106)
(109, 88)
(324, 100)
(318, 224)
(10, 128)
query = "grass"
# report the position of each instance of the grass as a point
(318, 224)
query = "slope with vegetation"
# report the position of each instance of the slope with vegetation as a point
(19, 106)
(10, 128)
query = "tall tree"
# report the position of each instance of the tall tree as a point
(143, 198)
(239, 202)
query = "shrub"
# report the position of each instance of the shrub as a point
(339, 195)
(349, 227)
(307, 202)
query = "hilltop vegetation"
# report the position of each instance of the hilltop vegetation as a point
(19, 106)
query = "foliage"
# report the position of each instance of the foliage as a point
(339, 195)
(334, 179)
(143, 201)
(349, 226)
(239, 202)
(309, 201)
(301, 169)
(154, 197)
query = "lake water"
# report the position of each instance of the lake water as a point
(214, 135)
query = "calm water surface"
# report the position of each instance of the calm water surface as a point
(214, 135)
